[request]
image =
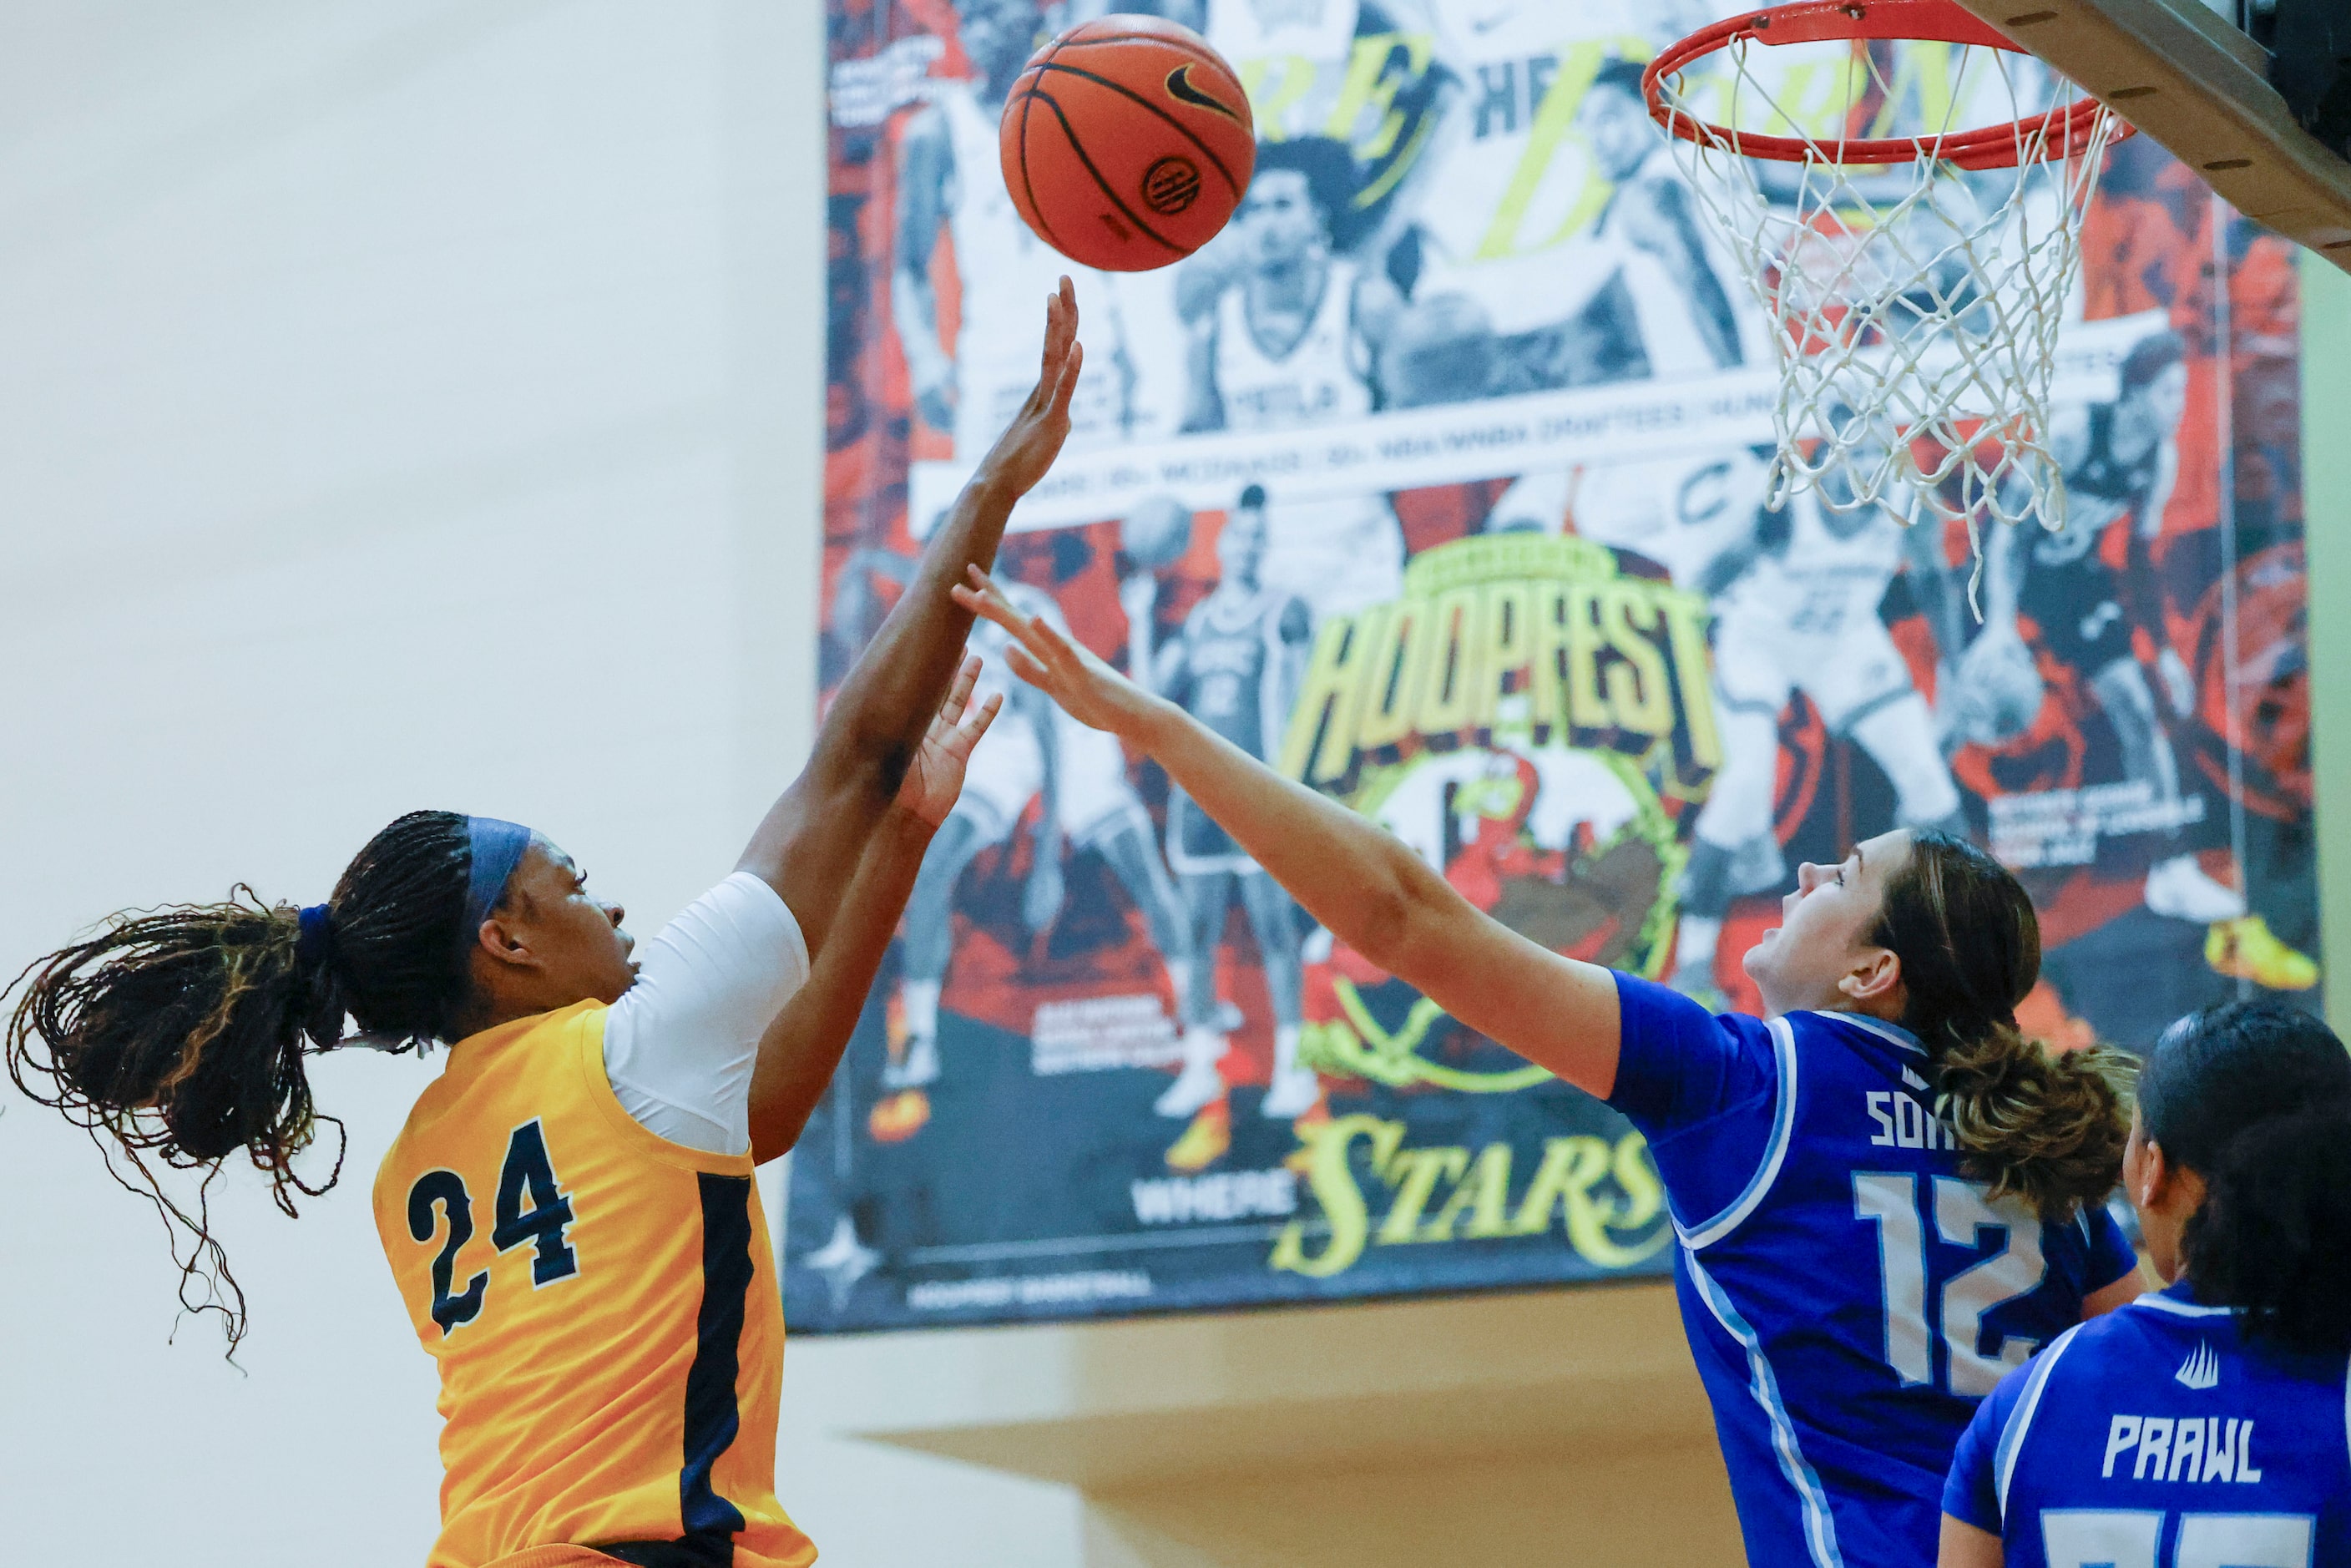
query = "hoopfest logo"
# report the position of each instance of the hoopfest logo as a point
(1516, 639)
(1528, 719)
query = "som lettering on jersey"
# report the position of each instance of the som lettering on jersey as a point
(1904, 1123)
(2182, 1449)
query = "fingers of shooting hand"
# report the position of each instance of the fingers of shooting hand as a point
(1061, 326)
(958, 694)
(974, 723)
(1067, 387)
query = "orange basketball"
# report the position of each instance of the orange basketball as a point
(1127, 143)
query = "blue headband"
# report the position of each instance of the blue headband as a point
(497, 849)
(316, 944)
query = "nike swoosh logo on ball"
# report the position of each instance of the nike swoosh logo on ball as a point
(1180, 88)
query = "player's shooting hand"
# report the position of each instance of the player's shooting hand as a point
(1029, 443)
(935, 779)
(1088, 690)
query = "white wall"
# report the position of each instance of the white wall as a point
(400, 404)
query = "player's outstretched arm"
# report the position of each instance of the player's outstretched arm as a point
(802, 1049)
(814, 837)
(1375, 895)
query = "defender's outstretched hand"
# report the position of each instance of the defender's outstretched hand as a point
(935, 779)
(1030, 442)
(1086, 689)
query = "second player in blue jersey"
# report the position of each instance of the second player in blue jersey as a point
(2208, 1425)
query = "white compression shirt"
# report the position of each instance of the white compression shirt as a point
(679, 1045)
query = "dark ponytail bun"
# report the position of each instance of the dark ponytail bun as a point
(2256, 1097)
(2272, 1238)
(2046, 1127)
(180, 1034)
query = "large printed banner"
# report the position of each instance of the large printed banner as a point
(1439, 482)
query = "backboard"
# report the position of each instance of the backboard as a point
(2185, 77)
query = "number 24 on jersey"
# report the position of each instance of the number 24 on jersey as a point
(526, 1176)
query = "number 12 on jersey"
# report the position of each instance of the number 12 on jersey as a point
(1963, 1211)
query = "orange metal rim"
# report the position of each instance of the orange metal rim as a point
(2058, 134)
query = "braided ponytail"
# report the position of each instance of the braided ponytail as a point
(2046, 1127)
(180, 1035)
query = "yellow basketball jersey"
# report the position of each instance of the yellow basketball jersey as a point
(604, 1306)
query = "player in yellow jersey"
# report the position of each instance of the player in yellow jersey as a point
(569, 1212)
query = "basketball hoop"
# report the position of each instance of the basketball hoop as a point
(1914, 269)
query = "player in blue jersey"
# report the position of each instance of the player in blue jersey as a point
(2208, 1425)
(1886, 1196)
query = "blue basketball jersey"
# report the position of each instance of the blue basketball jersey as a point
(1850, 1294)
(2156, 1438)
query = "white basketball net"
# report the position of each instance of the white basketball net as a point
(1914, 306)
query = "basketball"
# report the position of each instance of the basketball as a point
(1127, 142)
(1157, 533)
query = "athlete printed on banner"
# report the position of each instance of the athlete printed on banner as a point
(1671, 313)
(2121, 461)
(949, 181)
(1234, 667)
(1363, 71)
(1281, 337)
(1801, 613)
(1078, 778)
(1582, 255)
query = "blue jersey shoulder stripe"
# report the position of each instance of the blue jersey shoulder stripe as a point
(1819, 1529)
(1890, 1033)
(1784, 1123)
(2020, 1420)
(2156, 1302)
